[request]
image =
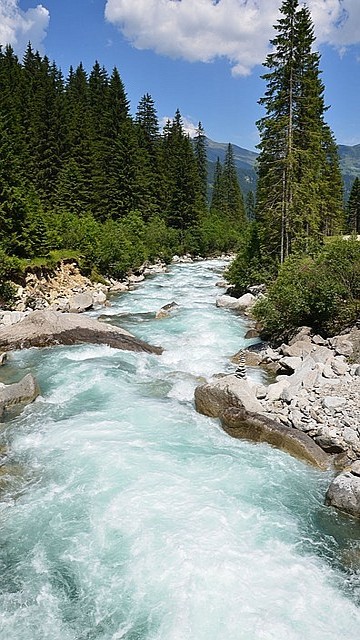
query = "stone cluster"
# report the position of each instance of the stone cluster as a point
(316, 391)
(67, 290)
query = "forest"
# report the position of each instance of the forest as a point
(82, 177)
(80, 174)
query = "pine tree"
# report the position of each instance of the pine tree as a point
(217, 194)
(79, 153)
(149, 141)
(298, 160)
(233, 202)
(181, 179)
(250, 206)
(353, 208)
(201, 163)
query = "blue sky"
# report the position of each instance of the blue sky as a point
(201, 56)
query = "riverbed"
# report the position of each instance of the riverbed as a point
(134, 517)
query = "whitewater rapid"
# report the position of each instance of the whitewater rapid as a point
(133, 517)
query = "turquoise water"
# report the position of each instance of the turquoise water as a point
(135, 518)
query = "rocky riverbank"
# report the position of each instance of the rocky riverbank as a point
(65, 289)
(316, 394)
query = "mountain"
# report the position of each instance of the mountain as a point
(245, 161)
(350, 165)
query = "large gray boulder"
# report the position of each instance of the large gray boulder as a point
(238, 423)
(21, 392)
(80, 302)
(213, 398)
(237, 304)
(47, 328)
(344, 491)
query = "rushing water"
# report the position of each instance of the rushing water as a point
(133, 517)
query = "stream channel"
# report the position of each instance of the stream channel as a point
(133, 517)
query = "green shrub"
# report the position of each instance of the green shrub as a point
(321, 292)
(249, 268)
(9, 268)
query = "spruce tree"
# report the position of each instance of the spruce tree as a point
(181, 178)
(217, 194)
(353, 208)
(233, 202)
(298, 186)
(201, 163)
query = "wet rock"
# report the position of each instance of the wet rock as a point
(344, 493)
(47, 328)
(166, 310)
(251, 333)
(211, 399)
(3, 358)
(237, 304)
(259, 428)
(21, 392)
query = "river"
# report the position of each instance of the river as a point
(133, 517)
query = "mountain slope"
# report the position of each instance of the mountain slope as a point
(245, 162)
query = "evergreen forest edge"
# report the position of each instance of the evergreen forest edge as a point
(82, 178)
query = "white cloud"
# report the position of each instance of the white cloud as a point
(188, 125)
(239, 30)
(18, 27)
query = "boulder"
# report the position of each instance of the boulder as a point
(344, 493)
(3, 358)
(333, 402)
(21, 392)
(229, 391)
(342, 345)
(48, 328)
(252, 359)
(290, 363)
(303, 333)
(238, 304)
(99, 297)
(238, 423)
(11, 317)
(245, 301)
(166, 310)
(80, 302)
(60, 304)
(251, 333)
(300, 348)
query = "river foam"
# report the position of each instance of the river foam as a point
(139, 519)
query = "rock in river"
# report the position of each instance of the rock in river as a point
(18, 393)
(259, 428)
(46, 328)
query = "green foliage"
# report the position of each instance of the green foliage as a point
(322, 292)
(299, 193)
(250, 267)
(218, 234)
(9, 268)
(353, 208)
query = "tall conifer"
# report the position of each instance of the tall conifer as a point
(298, 186)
